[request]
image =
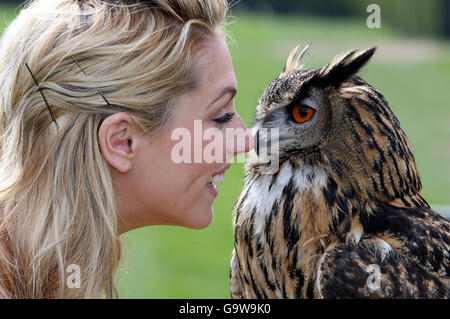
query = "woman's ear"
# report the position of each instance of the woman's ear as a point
(117, 140)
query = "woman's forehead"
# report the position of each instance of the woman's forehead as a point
(214, 64)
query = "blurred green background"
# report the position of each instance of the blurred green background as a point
(411, 68)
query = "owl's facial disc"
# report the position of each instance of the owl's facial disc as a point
(314, 123)
(301, 124)
(297, 105)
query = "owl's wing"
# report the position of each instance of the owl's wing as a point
(404, 253)
(236, 287)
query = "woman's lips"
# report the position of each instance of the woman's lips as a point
(217, 177)
(212, 189)
(222, 171)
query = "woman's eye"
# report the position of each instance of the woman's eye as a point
(302, 113)
(224, 119)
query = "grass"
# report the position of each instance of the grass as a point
(174, 262)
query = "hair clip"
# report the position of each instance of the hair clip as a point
(76, 62)
(43, 96)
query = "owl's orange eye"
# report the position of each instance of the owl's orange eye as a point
(302, 113)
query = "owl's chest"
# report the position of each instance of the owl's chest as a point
(279, 235)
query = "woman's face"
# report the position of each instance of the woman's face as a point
(169, 181)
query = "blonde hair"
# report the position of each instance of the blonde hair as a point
(90, 59)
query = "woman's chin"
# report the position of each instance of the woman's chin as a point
(200, 220)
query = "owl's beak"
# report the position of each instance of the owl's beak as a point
(257, 142)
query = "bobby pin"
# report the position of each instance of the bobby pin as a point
(43, 96)
(76, 62)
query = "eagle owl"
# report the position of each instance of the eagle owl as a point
(342, 215)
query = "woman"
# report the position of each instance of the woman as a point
(91, 94)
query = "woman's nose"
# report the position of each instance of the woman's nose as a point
(241, 140)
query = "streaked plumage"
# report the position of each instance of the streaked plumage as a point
(347, 195)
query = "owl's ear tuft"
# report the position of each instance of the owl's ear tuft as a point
(295, 60)
(345, 65)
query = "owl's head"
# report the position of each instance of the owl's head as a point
(329, 119)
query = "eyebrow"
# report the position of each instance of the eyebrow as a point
(228, 89)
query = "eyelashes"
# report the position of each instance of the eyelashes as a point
(224, 119)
